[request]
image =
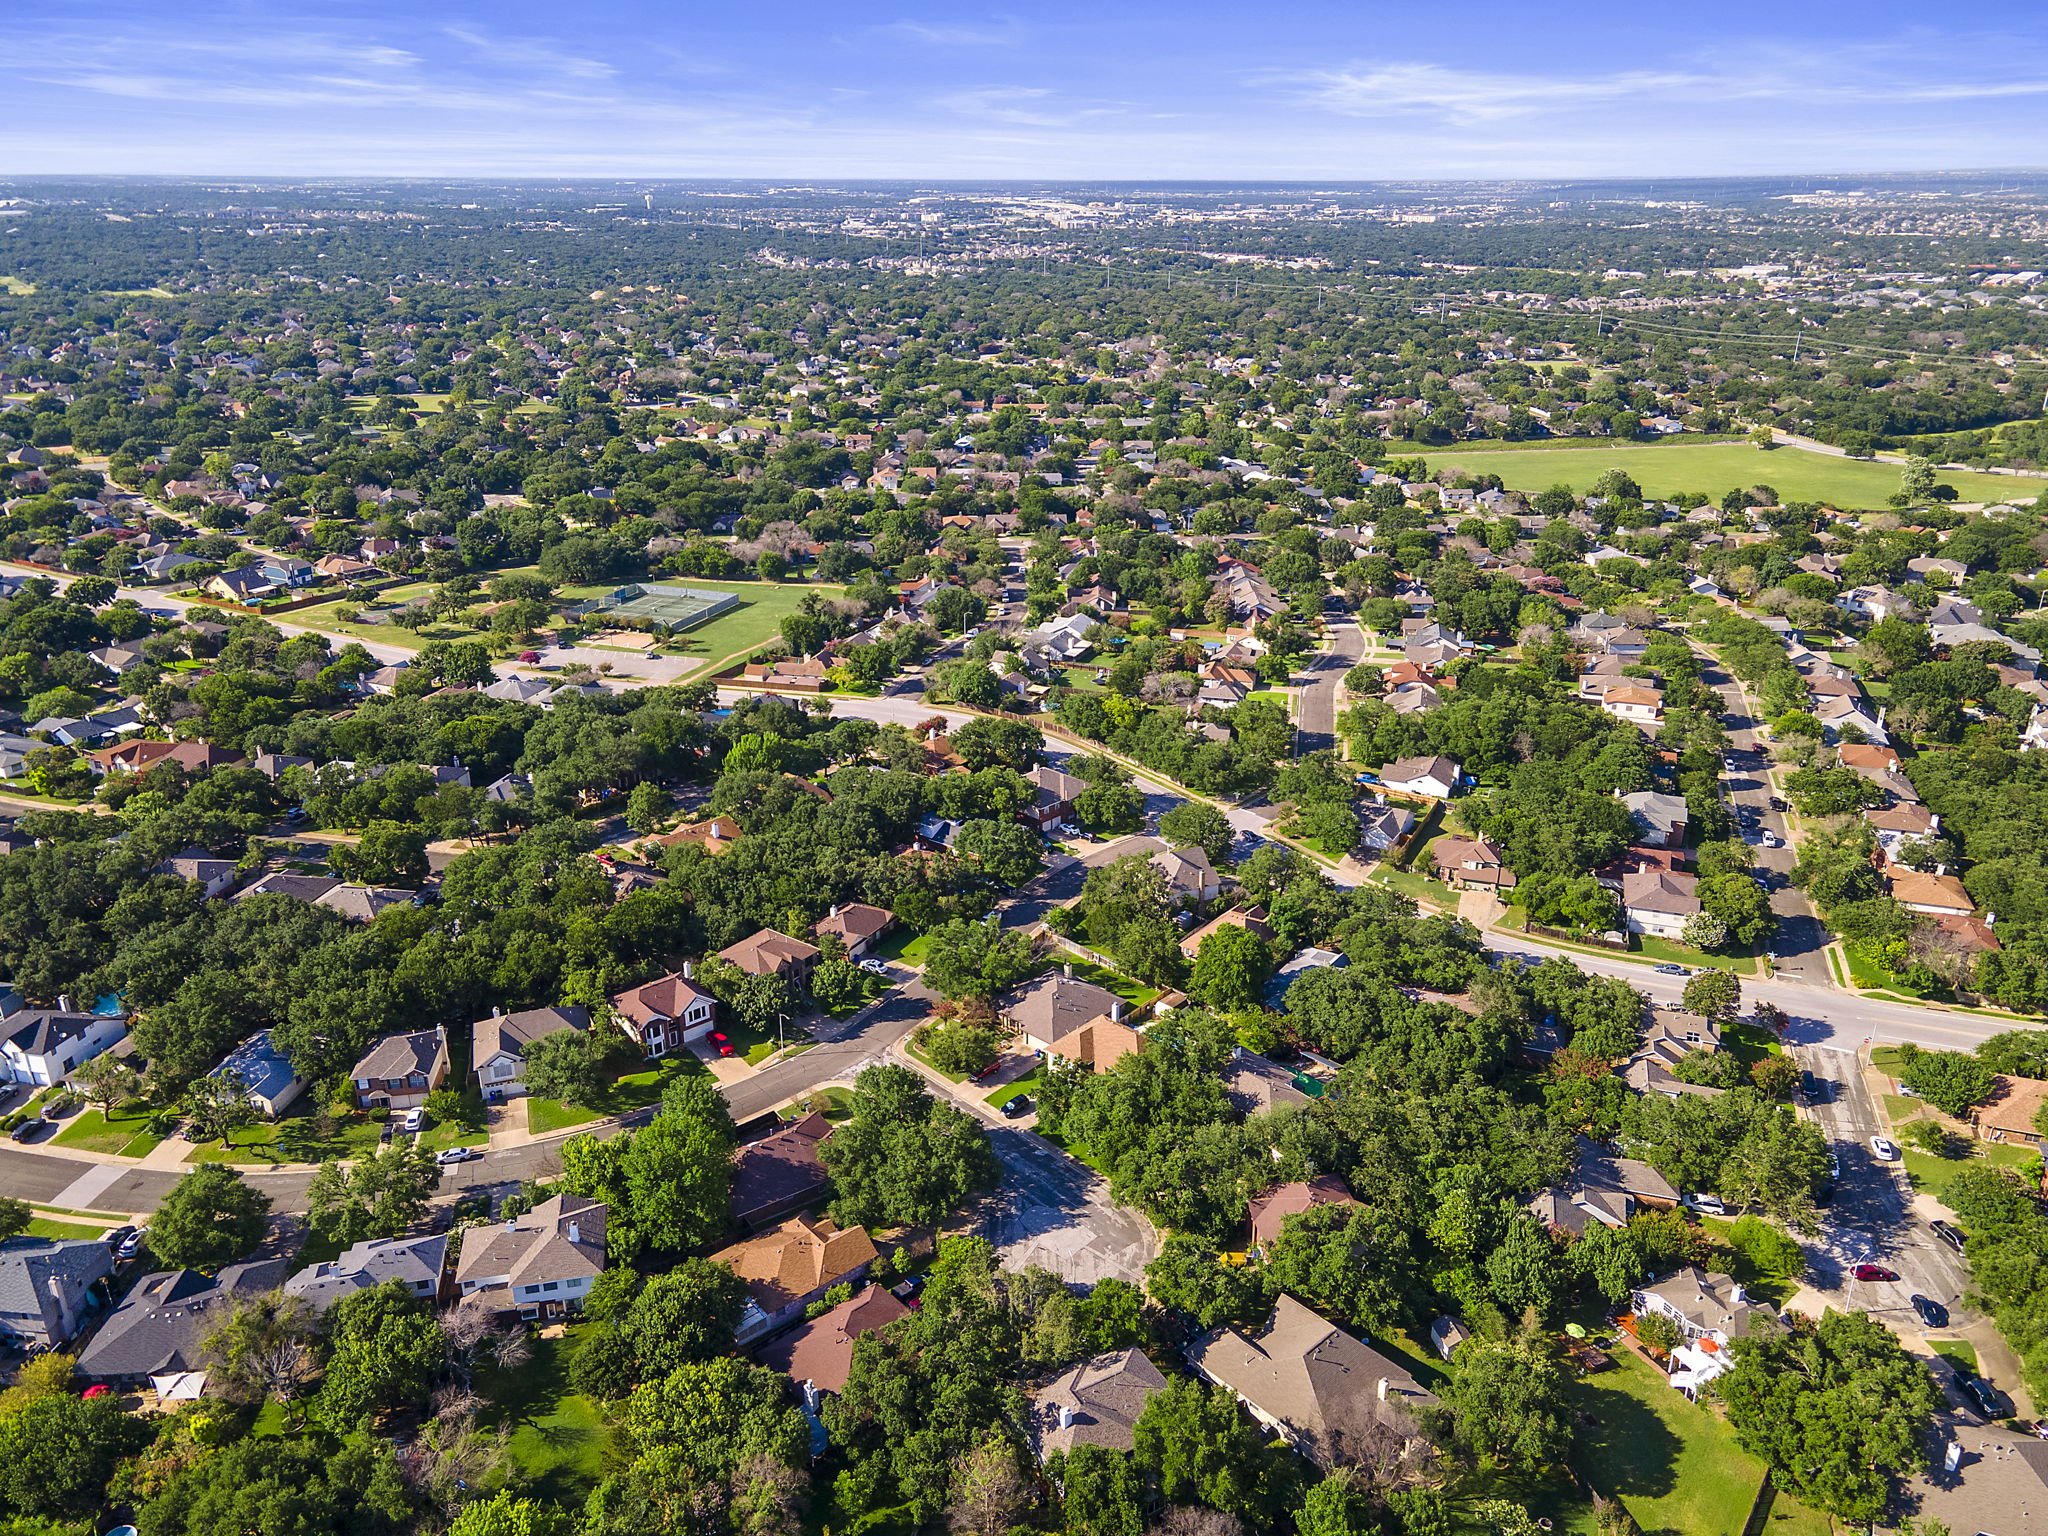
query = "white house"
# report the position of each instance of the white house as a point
(1709, 1310)
(499, 1045)
(1636, 703)
(1436, 777)
(1657, 903)
(43, 1045)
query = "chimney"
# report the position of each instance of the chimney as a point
(1066, 1416)
(1116, 1012)
(497, 1012)
(575, 1231)
(689, 969)
(63, 1003)
(1069, 969)
(835, 910)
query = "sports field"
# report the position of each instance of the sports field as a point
(1713, 469)
(677, 607)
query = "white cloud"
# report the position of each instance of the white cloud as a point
(953, 35)
(536, 54)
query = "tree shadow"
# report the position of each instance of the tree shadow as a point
(1628, 1450)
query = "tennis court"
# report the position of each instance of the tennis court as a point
(677, 607)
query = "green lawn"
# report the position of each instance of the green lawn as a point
(1935, 1174)
(1957, 1351)
(1716, 468)
(441, 1135)
(1673, 1463)
(43, 1226)
(837, 1104)
(1666, 952)
(1888, 1058)
(1028, 1083)
(1418, 888)
(629, 1091)
(125, 1135)
(1748, 1043)
(758, 619)
(558, 1435)
(293, 1139)
(1136, 993)
(905, 946)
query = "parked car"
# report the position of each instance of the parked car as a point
(1705, 1205)
(1818, 1089)
(1884, 1149)
(875, 967)
(116, 1236)
(1834, 1165)
(1873, 1272)
(28, 1130)
(1981, 1395)
(415, 1121)
(1673, 970)
(1932, 1313)
(1018, 1107)
(450, 1155)
(1949, 1234)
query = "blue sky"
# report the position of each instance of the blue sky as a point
(1282, 89)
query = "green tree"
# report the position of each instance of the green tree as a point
(902, 1158)
(679, 1169)
(1101, 1493)
(58, 1451)
(1008, 852)
(1954, 1082)
(384, 1350)
(647, 807)
(380, 1195)
(15, 1215)
(504, 1515)
(1198, 824)
(264, 1349)
(685, 1316)
(981, 959)
(568, 1065)
(1713, 994)
(1195, 1442)
(1836, 1408)
(218, 1105)
(210, 1218)
(1509, 1403)
(1355, 1261)
(1740, 903)
(1231, 969)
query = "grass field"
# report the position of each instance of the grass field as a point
(16, 287)
(1716, 468)
(1028, 1083)
(1957, 1352)
(44, 1226)
(1935, 1174)
(293, 1139)
(558, 1436)
(758, 619)
(91, 1131)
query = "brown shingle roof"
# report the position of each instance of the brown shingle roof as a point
(768, 953)
(795, 1259)
(821, 1352)
(1269, 1211)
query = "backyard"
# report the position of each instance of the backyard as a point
(558, 1435)
(1716, 468)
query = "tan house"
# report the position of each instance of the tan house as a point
(1071, 1020)
(1633, 703)
(715, 836)
(768, 953)
(791, 1266)
(1936, 895)
(1095, 1403)
(1267, 1214)
(1471, 863)
(2010, 1111)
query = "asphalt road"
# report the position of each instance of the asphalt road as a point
(1315, 711)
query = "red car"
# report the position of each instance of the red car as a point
(1872, 1272)
(717, 1037)
(725, 1050)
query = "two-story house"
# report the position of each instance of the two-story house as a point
(399, 1071)
(667, 1013)
(498, 1045)
(44, 1045)
(1709, 1311)
(541, 1264)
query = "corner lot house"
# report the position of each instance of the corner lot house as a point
(2008, 1111)
(1326, 1394)
(1071, 1020)
(399, 1071)
(1657, 903)
(499, 1044)
(46, 1288)
(540, 1264)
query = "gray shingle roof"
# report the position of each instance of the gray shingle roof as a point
(30, 1266)
(415, 1260)
(166, 1318)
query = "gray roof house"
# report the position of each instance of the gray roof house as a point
(46, 1288)
(266, 1073)
(1095, 1403)
(165, 1320)
(44, 1045)
(213, 876)
(541, 1263)
(1662, 817)
(1331, 1397)
(418, 1262)
(498, 1044)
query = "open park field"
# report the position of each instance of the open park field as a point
(1713, 469)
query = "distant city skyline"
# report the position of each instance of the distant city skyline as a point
(1285, 90)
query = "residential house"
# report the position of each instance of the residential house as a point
(1471, 864)
(542, 1263)
(1898, 825)
(1383, 826)
(45, 1045)
(399, 1071)
(267, 1076)
(1251, 919)
(1709, 1310)
(274, 765)
(2011, 1111)
(520, 690)
(715, 836)
(162, 1324)
(1657, 902)
(1437, 778)
(1662, 817)
(1333, 1399)
(768, 953)
(1267, 1214)
(1839, 714)
(241, 586)
(47, 1288)
(1071, 1020)
(1413, 699)
(1983, 1479)
(820, 1353)
(214, 877)
(777, 1176)
(418, 1263)
(1054, 805)
(1671, 1036)
(666, 1013)
(1602, 1186)
(1296, 967)
(1936, 895)
(1189, 875)
(1094, 1403)
(1254, 1084)
(498, 1045)
(362, 903)
(856, 925)
(791, 1266)
(1445, 1335)
(1634, 703)
(298, 887)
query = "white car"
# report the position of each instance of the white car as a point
(456, 1155)
(1884, 1149)
(875, 967)
(1705, 1205)
(414, 1122)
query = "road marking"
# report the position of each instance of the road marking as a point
(87, 1187)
